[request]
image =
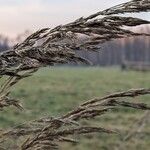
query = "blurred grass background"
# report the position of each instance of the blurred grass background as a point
(54, 91)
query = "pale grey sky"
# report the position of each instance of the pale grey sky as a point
(19, 15)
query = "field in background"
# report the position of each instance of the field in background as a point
(53, 91)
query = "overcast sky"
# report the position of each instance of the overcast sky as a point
(18, 15)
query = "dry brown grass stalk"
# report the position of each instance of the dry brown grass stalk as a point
(48, 132)
(48, 47)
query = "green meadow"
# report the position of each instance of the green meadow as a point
(55, 91)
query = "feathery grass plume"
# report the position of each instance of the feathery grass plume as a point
(48, 132)
(134, 6)
(58, 45)
(48, 47)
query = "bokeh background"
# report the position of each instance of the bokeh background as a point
(119, 65)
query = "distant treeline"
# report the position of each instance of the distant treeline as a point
(4, 43)
(116, 52)
(135, 49)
